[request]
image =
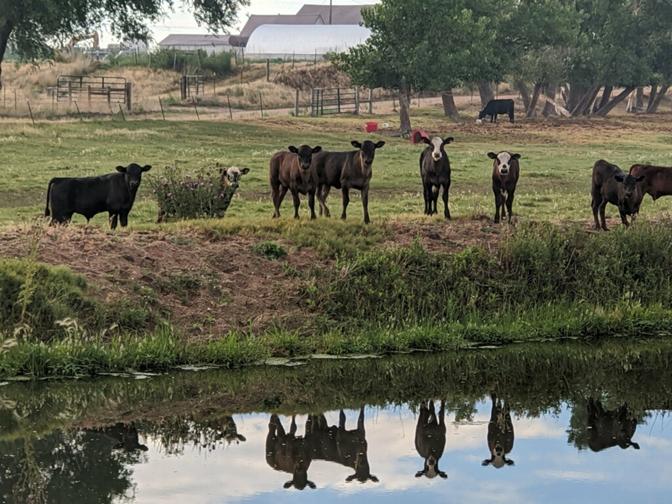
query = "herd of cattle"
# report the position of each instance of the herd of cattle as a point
(313, 172)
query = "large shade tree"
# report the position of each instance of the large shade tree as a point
(33, 27)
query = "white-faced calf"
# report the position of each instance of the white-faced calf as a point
(435, 174)
(291, 171)
(505, 173)
(612, 185)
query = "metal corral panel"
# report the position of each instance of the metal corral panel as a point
(304, 40)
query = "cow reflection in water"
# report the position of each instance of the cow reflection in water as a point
(500, 434)
(336, 444)
(610, 428)
(288, 453)
(125, 437)
(430, 439)
(230, 431)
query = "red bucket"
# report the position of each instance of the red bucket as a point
(371, 126)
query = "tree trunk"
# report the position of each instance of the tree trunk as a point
(582, 104)
(449, 107)
(485, 90)
(5, 30)
(652, 98)
(576, 93)
(524, 93)
(603, 111)
(532, 109)
(606, 96)
(639, 99)
(588, 108)
(404, 115)
(662, 92)
(551, 91)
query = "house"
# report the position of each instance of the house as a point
(208, 43)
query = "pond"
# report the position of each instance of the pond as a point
(544, 423)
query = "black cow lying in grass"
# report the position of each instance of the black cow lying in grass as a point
(113, 193)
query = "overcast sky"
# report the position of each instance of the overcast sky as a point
(181, 21)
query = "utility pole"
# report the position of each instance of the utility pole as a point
(331, 5)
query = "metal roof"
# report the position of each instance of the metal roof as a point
(305, 40)
(255, 21)
(196, 40)
(341, 14)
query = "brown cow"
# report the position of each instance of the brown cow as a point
(657, 179)
(345, 171)
(288, 453)
(291, 171)
(430, 439)
(505, 173)
(612, 185)
(500, 434)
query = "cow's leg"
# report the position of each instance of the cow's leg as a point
(509, 204)
(596, 207)
(442, 413)
(360, 420)
(346, 200)
(323, 201)
(297, 203)
(281, 196)
(603, 218)
(341, 420)
(435, 199)
(311, 204)
(113, 220)
(123, 219)
(425, 196)
(624, 219)
(292, 427)
(365, 205)
(446, 210)
(275, 194)
(498, 198)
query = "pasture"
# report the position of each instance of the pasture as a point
(557, 156)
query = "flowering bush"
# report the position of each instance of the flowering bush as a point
(207, 194)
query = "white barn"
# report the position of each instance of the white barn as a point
(303, 41)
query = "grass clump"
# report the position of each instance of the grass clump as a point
(269, 250)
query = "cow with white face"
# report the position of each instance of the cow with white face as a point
(505, 173)
(435, 174)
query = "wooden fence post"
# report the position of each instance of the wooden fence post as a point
(268, 70)
(338, 100)
(162, 112)
(370, 101)
(356, 101)
(121, 110)
(261, 105)
(78, 111)
(228, 101)
(30, 111)
(129, 96)
(198, 117)
(296, 103)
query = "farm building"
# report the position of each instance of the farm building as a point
(255, 21)
(340, 14)
(303, 42)
(209, 43)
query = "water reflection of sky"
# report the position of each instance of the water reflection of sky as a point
(547, 468)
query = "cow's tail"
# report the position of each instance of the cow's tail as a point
(47, 213)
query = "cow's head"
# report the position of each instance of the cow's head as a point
(437, 144)
(503, 161)
(498, 458)
(367, 151)
(305, 153)
(630, 191)
(481, 115)
(230, 177)
(133, 174)
(300, 477)
(362, 469)
(431, 469)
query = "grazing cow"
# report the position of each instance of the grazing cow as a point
(346, 171)
(496, 107)
(336, 444)
(505, 173)
(430, 439)
(435, 174)
(291, 171)
(612, 185)
(288, 453)
(113, 193)
(609, 428)
(500, 434)
(125, 437)
(657, 179)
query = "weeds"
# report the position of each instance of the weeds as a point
(269, 250)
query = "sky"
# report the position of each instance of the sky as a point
(182, 21)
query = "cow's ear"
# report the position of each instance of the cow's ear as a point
(492, 155)
(121, 169)
(448, 140)
(143, 448)
(380, 145)
(241, 438)
(244, 171)
(312, 485)
(640, 178)
(316, 149)
(293, 149)
(510, 463)
(419, 473)
(619, 177)
(485, 463)
(634, 445)
(146, 168)
(443, 474)
(374, 478)
(351, 477)
(356, 144)
(515, 156)
(288, 484)
(423, 139)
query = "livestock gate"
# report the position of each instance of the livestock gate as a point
(192, 85)
(326, 101)
(76, 88)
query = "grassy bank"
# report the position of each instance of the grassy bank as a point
(540, 283)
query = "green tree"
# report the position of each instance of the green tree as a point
(33, 27)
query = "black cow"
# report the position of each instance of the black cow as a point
(435, 174)
(500, 434)
(113, 193)
(610, 428)
(288, 453)
(505, 174)
(611, 185)
(430, 439)
(290, 171)
(125, 437)
(495, 107)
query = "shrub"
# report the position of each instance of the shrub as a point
(198, 62)
(270, 250)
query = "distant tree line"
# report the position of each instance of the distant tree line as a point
(593, 54)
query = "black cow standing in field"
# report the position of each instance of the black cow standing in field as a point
(435, 174)
(609, 428)
(500, 434)
(291, 171)
(505, 173)
(346, 171)
(496, 107)
(288, 453)
(611, 185)
(113, 193)
(430, 439)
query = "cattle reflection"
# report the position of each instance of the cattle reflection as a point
(500, 434)
(288, 453)
(341, 446)
(608, 428)
(124, 436)
(230, 431)
(430, 439)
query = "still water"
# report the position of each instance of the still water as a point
(561, 424)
